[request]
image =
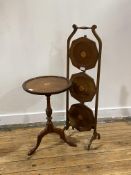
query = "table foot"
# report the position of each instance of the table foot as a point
(63, 137)
(67, 125)
(94, 137)
(50, 129)
(39, 138)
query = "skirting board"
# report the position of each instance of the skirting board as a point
(103, 113)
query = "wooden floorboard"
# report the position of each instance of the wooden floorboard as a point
(109, 156)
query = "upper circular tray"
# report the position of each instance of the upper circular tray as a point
(83, 53)
(83, 87)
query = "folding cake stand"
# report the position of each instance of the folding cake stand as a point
(84, 55)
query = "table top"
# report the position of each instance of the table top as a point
(45, 85)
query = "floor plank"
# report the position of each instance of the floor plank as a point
(109, 156)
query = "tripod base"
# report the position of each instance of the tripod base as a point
(50, 129)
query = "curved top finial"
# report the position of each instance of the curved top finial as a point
(74, 26)
(94, 27)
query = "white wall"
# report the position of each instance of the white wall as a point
(33, 37)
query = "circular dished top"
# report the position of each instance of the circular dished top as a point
(83, 53)
(45, 85)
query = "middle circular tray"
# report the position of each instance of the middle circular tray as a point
(83, 87)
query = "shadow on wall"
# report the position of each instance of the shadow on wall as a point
(123, 101)
(57, 55)
(17, 101)
(57, 66)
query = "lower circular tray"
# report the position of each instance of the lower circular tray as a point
(81, 117)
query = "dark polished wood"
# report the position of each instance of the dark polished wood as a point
(81, 117)
(48, 85)
(45, 85)
(83, 87)
(83, 53)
